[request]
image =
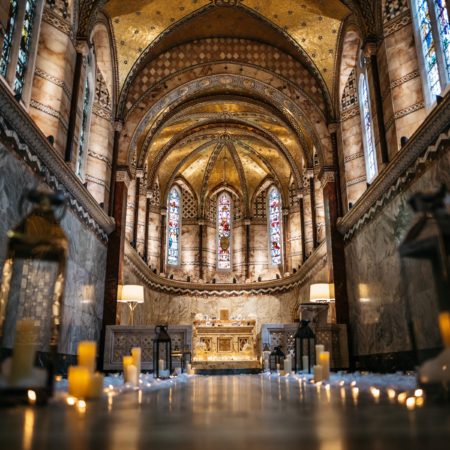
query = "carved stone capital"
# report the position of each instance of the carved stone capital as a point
(82, 46)
(333, 127)
(118, 126)
(247, 221)
(327, 177)
(123, 176)
(163, 211)
(139, 172)
(369, 49)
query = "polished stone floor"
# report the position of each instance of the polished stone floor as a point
(233, 413)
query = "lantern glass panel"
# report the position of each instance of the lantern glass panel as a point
(276, 359)
(162, 353)
(304, 347)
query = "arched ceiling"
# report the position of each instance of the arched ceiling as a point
(310, 26)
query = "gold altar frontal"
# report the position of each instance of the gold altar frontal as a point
(225, 344)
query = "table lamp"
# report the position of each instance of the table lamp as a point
(132, 295)
(321, 293)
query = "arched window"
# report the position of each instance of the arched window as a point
(366, 116)
(85, 119)
(174, 227)
(224, 231)
(433, 34)
(18, 48)
(274, 222)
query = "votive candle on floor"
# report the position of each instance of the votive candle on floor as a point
(319, 348)
(318, 373)
(87, 354)
(324, 361)
(136, 355)
(127, 361)
(78, 378)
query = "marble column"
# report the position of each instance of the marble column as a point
(201, 224)
(312, 193)
(112, 182)
(115, 258)
(141, 215)
(335, 247)
(247, 223)
(285, 239)
(137, 190)
(370, 51)
(82, 49)
(146, 225)
(162, 255)
(302, 225)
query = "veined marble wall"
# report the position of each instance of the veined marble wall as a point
(83, 302)
(379, 285)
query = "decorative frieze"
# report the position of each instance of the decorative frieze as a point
(356, 181)
(405, 78)
(410, 109)
(354, 156)
(56, 21)
(100, 157)
(56, 81)
(49, 111)
(400, 22)
(349, 113)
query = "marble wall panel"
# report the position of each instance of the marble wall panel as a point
(380, 285)
(295, 240)
(129, 221)
(84, 292)
(142, 205)
(154, 239)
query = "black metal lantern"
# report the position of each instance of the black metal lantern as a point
(305, 342)
(162, 353)
(186, 358)
(31, 299)
(276, 359)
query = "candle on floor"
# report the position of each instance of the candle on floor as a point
(136, 354)
(318, 373)
(127, 361)
(324, 361)
(95, 386)
(87, 353)
(161, 367)
(24, 350)
(319, 348)
(287, 366)
(305, 363)
(444, 326)
(130, 374)
(78, 378)
(189, 368)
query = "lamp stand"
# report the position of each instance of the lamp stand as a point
(132, 306)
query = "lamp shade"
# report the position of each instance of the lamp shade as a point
(129, 293)
(321, 292)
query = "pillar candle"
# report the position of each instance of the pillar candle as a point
(189, 368)
(95, 387)
(278, 367)
(24, 350)
(324, 359)
(78, 378)
(444, 326)
(319, 348)
(136, 354)
(318, 373)
(130, 374)
(305, 363)
(287, 366)
(161, 365)
(87, 353)
(127, 361)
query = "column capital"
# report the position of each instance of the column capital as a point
(139, 172)
(247, 221)
(123, 175)
(369, 48)
(163, 211)
(118, 126)
(82, 46)
(333, 127)
(328, 176)
(201, 222)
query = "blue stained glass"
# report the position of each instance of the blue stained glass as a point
(428, 46)
(444, 30)
(24, 49)
(371, 161)
(83, 131)
(7, 41)
(275, 236)
(224, 231)
(173, 227)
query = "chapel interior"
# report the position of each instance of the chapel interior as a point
(224, 223)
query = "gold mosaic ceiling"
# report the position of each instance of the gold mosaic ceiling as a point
(313, 24)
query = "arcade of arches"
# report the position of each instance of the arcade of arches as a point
(228, 154)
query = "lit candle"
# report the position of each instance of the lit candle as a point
(324, 361)
(136, 354)
(444, 326)
(87, 353)
(78, 378)
(127, 361)
(131, 374)
(278, 367)
(24, 350)
(95, 387)
(305, 363)
(318, 373)
(319, 348)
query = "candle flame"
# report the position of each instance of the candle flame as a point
(32, 397)
(411, 403)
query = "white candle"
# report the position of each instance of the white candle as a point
(136, 355)
(24, 350)
(189, 368)
(266, 365)
(287, 366)
(318, 373)
(278, 367)
(305, 363)
(161, 365)
(131, 374)
(324, 361)
(319, 348)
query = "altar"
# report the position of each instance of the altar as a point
(224, 344)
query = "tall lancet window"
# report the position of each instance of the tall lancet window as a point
(369, 144)
(444, 31)
(224, 231)
(274, 218)
(82, 150)
(174, 227)
(8, 39)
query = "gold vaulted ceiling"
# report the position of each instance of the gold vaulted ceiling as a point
(313, 24)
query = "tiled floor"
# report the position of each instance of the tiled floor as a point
(233, 413)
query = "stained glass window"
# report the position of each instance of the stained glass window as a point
(428, 46)
(444, 30)
(24, 48)
(173, 227)
(224, 231)
(371, 159)
(83, 131)
(7, 41)
(274, 216)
